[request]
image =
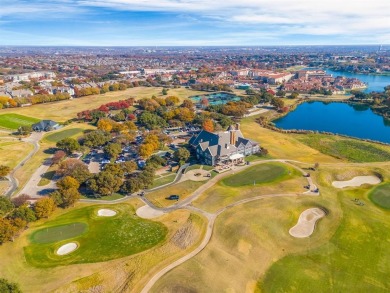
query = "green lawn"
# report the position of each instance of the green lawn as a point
(14, 121)
(58, 233)
(56, 137)
(163, 180)
(355, 259)
(381, 195)
(260, 174)
(107, 237)
(345, 148)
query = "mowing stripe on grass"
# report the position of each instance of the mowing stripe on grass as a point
(14, 121)
(57, 233)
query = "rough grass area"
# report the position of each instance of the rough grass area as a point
(346, 149)
(14, 121)
(46, 178)
(107, 237)
(380, 195)
(64, 110)
(12, 152)
(260, 174)
(4, 186)
(355, 259)
(163, 180)
(58, 233)
(56, 137)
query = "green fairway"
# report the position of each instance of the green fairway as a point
(56, 137)
(356, 258)
(57, 233)
(14, 121)
(106, 238)
(381, 195)
(260, 174)
(344, 148)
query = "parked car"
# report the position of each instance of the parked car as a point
(173, 197)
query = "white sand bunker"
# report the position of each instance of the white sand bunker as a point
(357, 181)
(146, 212)
(67, 248)
(306, 223)
(106, 213)
(198, 175)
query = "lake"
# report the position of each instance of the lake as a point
(376, 83)
(353, 120)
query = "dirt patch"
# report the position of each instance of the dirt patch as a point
(185, 236)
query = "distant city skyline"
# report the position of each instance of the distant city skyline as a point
(193, 23)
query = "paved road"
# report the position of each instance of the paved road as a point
(34, 139)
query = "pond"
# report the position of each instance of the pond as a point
(341, 118)
(219, 98)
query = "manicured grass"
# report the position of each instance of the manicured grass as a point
(58, 233)
(380, 195)
(260, 174)
(355, 259)
(107, 237)
(346, 149)
(163, 180)
(14, 121)
(57, 136)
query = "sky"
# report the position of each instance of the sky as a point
(193, 22)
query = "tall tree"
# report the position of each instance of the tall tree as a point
(4, 170)
(44, 207)
(69, 145)
(208, 125)
(104, 183)
(8, 287)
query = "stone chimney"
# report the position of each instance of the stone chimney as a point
(232, 136)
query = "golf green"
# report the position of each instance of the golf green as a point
(99, 238)
(380, 195)
(58, 233)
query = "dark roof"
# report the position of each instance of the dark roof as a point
(44, 124)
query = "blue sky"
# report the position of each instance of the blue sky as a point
(193, 22)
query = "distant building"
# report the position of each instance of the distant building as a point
(45, 125)
(223, 147)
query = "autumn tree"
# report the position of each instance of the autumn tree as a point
(4, 170)
(172, 100)
(104, 183)
(105, 124)
(188, 104)
(7, 231)
(5, 205)
(75, 168)
(128, 166)
(181, 155)
(278, 103)
(208, 125)
(58, 157)
(146, 150)
(44, 207)
(8, 287)
(113, 150)
(132, 185)
(67, 182)
(69, 145)
(96, 138)
(20, 200)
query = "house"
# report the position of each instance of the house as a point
(224, 147)
(45, 125)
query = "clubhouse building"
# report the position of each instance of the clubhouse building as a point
(223, 148)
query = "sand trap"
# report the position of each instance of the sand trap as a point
(67, 248)
(106, 213)
(357, 181)
(147, 212)
(198, 175)
(306, 223)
